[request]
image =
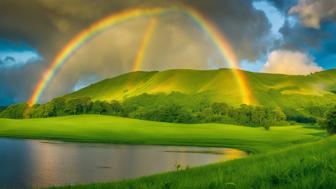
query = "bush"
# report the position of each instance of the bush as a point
(299, 116)
(330, 121)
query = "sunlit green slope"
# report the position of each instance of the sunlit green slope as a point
(219, 86)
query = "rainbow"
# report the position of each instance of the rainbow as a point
(102, 25)
(224, 46)
(143, 46)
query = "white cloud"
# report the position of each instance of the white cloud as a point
(311, 12)
(291, 63)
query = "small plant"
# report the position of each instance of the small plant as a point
(178, 167)
(167, 185)
(267, 127)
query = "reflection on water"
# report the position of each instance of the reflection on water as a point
(35, 163)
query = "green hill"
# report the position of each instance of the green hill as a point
(219, 86)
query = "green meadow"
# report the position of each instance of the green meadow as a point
(109, 129)
(282, 157)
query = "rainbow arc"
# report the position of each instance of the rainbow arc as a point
(219, 40)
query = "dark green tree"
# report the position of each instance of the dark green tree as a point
(220, 108)
(101, 107)
(97, 107)
(15, 111)
(73, 106)
(330, 121)
(59, 104)
(115, 108)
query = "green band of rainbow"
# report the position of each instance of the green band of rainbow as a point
(100, 26)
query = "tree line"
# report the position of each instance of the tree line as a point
(177, 108)
(142, 107)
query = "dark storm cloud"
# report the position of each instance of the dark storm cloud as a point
(47, 25)
(245, 27)
(282, 5)
(313, 12)
(307, 23)
(309, 30)
(299, 37)
(17, 84)
(19, 64)
(298, 32)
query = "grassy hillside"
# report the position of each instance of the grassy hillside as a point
(220, 86)
(93, 128)
(309, 166)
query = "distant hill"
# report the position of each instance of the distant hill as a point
(219, 86)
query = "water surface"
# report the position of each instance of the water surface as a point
(37, 163)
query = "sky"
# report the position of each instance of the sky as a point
(295, 37)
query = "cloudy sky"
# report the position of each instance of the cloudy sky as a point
(274, 36)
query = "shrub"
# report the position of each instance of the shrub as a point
(330, 121)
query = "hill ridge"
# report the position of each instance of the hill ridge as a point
(219, 84)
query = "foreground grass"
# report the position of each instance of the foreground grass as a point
(311, 165)
(282, 162)
(108, 129)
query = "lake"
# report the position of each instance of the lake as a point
(38, 163)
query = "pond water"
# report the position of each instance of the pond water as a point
(38, 163)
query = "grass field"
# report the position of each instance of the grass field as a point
(309, 166)
(108, 129)
(280, 158)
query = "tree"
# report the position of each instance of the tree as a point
(59, 104)
(115, 108)
(77, 106)
(2, 108)
(97, 107)
(73, 106)
(220, 109)
(167, 113)
(15, 111)
(101, 107)
(45, 110)
(330, 121)
(86, 104)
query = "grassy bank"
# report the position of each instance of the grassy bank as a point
(108, 129)
(311, 165)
